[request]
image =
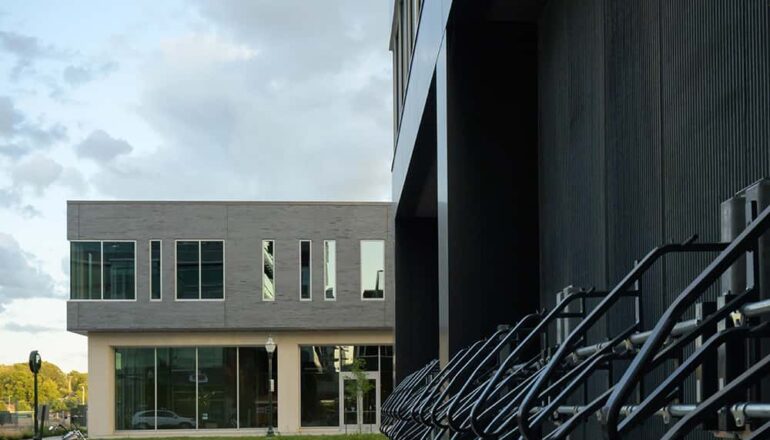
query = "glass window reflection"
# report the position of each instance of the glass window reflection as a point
(372, 269)
(268, 270)
(330, 269)
(85, 270)
(305, 274)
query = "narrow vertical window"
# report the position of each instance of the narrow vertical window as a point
(372, 269)
(268, 270)
(305, 275)
(155, 268)
(330, 269)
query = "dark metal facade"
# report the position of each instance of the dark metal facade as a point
(650, 113)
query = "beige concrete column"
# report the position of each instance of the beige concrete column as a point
(101, 386)
(288, 384)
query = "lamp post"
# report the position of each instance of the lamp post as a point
(35, 362)
(270, 347)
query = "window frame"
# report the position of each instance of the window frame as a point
(262, 270)
(325, 280)
(310, 269)
(160, 268)
(101, 270)
(200, 271)
(360, 268)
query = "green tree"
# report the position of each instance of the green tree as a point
(55, 388)
(359, 386)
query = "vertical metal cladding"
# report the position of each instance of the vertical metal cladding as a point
(651, 113)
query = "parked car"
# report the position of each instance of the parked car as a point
(166, 419)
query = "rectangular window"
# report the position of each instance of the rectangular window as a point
(330, 269)
(212, 270)
(319, 386)
(155, 269)
(200, 269)
(103, 270)
(372, 269)
(254, 386)
(268, 270)
(177, 387)
(192, 388)
(118, 272)
(305, 275)
(134, 388)
(217, 387)
(86, 270)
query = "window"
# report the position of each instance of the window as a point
(305, 275)
(134, 388)
(268, 270)
(330, 269)
(319, 386)
(176, 382)
(102, 270)
(200, 270)
(217, 387)
(372, 269)
(192, 388)
(155, 268)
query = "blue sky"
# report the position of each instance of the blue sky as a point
(175, 100)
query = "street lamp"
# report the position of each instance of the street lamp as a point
(270, 347)
(35, 363)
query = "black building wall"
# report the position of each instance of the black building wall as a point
(650, 114)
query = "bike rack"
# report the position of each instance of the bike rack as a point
(518, 382)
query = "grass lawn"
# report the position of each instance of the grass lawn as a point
(281, 437)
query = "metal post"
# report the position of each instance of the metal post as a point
(270, 432)
(34, 422)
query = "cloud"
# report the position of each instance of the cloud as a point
(267, 100)
(28, 328)
(102, 147)
(19, 278)
(26, 49)
(37, 172)
(77, 75)
(22, 135)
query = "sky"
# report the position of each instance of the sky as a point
(175, 100)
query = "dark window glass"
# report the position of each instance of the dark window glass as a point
(187, 270)
(155, 269)
(134, 388)
(85, 270)
(254, 386)
(268, 270)
(386, 371)
(372, 269)
(319, 383)
(176, 378)
(118, 270)
(212, 270)
(304, 270)
(217, 396)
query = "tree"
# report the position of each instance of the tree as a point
(359, 386)
(55, 388)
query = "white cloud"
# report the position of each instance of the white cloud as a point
(102, 147)
(199, 49)
(37, 172)
(20, 277)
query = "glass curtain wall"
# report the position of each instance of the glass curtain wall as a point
(203, 388)
(320, 375)
(135, 388)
